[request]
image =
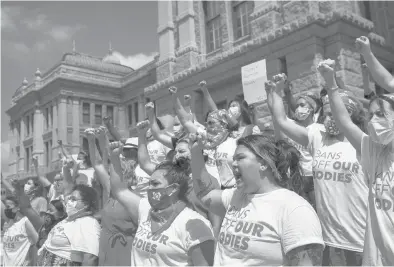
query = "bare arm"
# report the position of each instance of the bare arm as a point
(366, 81)
(294, 131)
(31, 232)
(89, 260)
(159, 135)
(111, 129)
(184, 117)
(207, 96)
(338, 108)
(290, 99)
(127, 198)
(205, 186)
(62, 149)
(41, 178)
(7, 185)
(216, 222)
(203, 254)
(68, 181)
(309, 255)
(379, 73)
(143, 154)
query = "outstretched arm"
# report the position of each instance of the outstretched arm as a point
(143, 154)
(112, 130)
(129, 200)
(205, 186)
(294, 131)
(185, 118)
(7, 185)
(207, 96)
(379, 73)
(158, 134)
(338, 108)
(41, 178)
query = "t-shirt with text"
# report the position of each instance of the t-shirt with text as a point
(378, 163)
(172, 246)
(224, 159)
(157, 151)
(260, 229)
(341, 191)
(142, 181)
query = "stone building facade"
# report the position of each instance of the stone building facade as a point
(198, 40)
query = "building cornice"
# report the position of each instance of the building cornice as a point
(272, 7)
(169, 26)
(267, 38)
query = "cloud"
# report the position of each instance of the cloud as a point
(41, 46)
(21, 48)
(9, 17)
(37, 23)
(63, 33)
(135, 61)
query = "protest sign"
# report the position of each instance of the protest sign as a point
(254, 76)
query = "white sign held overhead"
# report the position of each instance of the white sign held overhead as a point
(254, 77)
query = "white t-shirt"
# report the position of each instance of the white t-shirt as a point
(85, 177)
(260, 229)
(341, 191)
(238, 134)
(16, 244)
(157, 151)
(171, 247)
(306, 157)
(224, 159)
(142, 181)
(210, 165)
(82, 235)
(52, 195)
(378, 163)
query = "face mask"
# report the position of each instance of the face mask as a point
(381, 130)
(49, 219)
(160, 198)
(331, 127)
(10, 214)
(71, 208)
(28, 189)
(234, 112)
(302, 113)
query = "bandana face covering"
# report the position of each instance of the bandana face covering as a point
(381, 130)
(331, 127)
(234, 112)
(160, 198)
(302, 113)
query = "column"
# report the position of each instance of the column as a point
(54, 130)
(62, 119)
(229, 25)
(166, 64)
(21, 166)
(141, 108)
(38, 143)
(187, 54)
(12, 155)
(92, 114)
(75, 125)
(123, 130)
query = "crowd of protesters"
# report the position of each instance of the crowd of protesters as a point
(315, 187)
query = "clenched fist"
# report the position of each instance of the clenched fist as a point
(173, 90)
(143, 126)
(363, 45)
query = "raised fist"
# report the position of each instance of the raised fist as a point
(60, 142)
(203, 84)
(364, 69)
(107, 120)
(363, 45)
(90, 133)
(280, 81)
(187, 97)
(173, 90)
(34, 161)
(149, 107)
(101, 132)
(143, 126)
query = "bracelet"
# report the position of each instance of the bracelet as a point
(333, 89)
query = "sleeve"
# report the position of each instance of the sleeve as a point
(196, 230)
(301, 227)
(84, 235)
(42, 205)
(314, 139)
(51, 192)
(369, 152)
(227, 195)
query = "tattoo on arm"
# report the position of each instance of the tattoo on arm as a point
(309, 255)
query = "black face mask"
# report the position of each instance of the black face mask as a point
(49, 219)
(10, 214)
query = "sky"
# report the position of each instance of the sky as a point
(37, 34)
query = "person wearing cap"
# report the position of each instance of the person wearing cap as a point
(341, 189)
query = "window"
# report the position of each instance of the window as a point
(32, 123)
(98, 114)
(86, 113)
(283, 65)
(110, 112)
(46, 118)
(27, 125)
(213, 25)
(241, 18)
(136, 112)
(27, 158)
(85, 144)
(51, 115)
(367, 10)
(130, 114)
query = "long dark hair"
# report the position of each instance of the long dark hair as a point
(282, 158)
(245, 113)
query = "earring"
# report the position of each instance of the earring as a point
(263, 167)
